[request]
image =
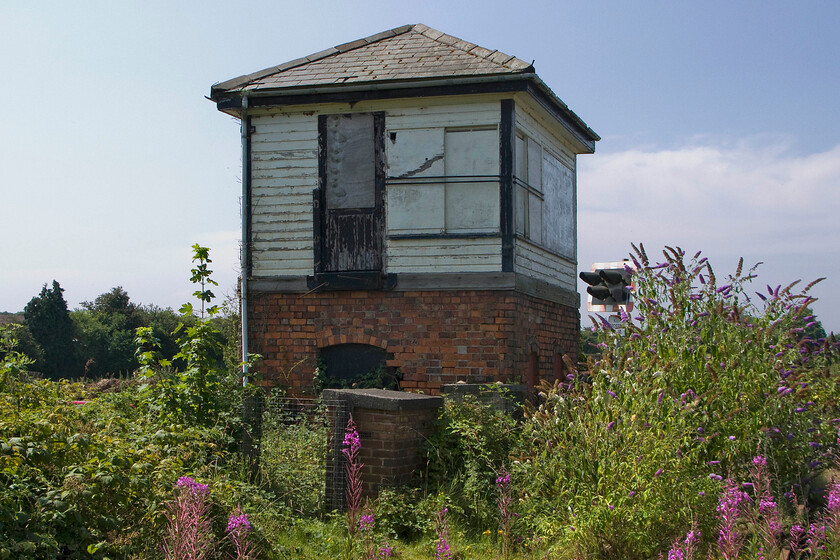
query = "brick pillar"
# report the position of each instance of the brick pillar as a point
(392, 427)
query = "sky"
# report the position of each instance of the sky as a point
(719, 121)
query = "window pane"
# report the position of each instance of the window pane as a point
(472, 207)
(534, 165)
(472, 152)
(416, 152)
(521, 169)
(350, 165)
(521, 206)
(416, 208)
(535, 218)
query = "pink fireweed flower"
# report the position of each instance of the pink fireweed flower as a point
(352, 443)
(730, 539)
(834, 498)
(190, 485)
(237, 531)
(352, 474)
(366, 523)
(238, 524)
(442, 550)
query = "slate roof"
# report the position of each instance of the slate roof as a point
(409, 52)
(409, 56)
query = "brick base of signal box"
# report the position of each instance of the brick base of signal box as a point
(433, 337)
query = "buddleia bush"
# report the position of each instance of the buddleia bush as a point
(706, 374)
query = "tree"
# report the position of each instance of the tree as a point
(49, 322)
(105, 329)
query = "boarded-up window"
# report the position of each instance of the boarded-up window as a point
(350, 165)
(350, 209)
(560, 216)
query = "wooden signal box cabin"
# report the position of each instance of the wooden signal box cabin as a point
(409, 211)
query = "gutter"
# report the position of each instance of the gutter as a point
(245, 129)
(229, 100)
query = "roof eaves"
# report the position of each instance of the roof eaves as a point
(587, 133)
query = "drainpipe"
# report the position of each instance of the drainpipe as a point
(243, 252)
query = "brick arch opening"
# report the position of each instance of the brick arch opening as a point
(355, 365)
(334, 336)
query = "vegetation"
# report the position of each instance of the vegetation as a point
(49, 322)
(98, 340)
(705, 430)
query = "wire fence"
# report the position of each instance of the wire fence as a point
(295, 445)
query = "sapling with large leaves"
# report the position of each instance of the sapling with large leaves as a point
(201, 391)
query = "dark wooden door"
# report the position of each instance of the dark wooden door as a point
(352, 187)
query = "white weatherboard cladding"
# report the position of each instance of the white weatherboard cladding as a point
(284, 148)
(536, 262)
(445, 255)
(284, 171)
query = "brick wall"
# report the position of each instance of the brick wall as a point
(392, 426)
(434, 337)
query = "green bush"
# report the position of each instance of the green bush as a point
(470, 444)
(700, 382)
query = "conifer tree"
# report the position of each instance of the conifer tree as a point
(49, 321)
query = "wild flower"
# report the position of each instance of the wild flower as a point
(189, 528)
(730, 539)
(765, 516)
(795, 540)
(238, 531)
(506, 513)
(442, 550)
(372, 551)
(366, 523)
(353, 474)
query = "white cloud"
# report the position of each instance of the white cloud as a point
(757, 200)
